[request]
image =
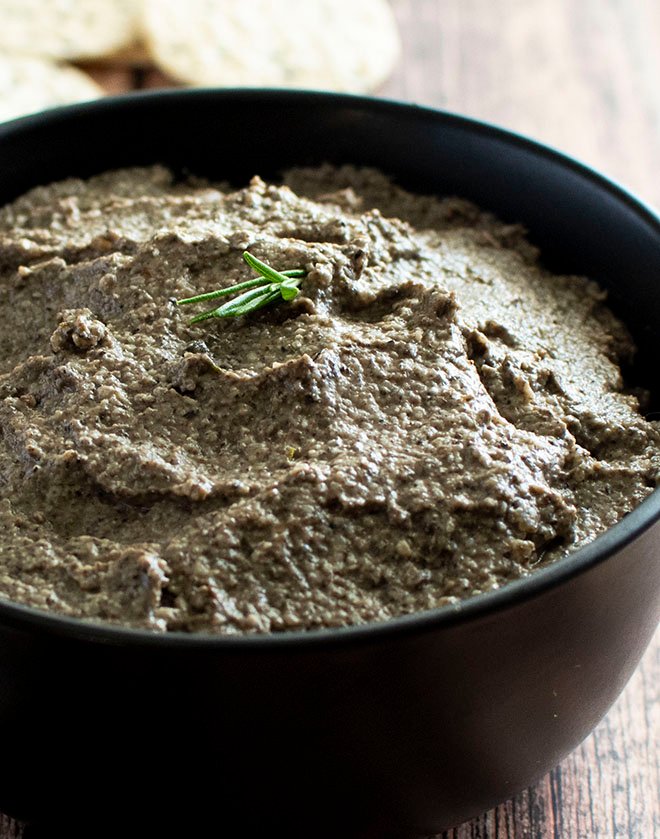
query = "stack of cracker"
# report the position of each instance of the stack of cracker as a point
(345, 45)
(37, 36)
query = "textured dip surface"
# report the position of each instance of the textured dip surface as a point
(433, 416)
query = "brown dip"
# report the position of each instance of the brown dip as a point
(434, 415)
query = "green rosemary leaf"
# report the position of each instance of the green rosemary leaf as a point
(269, 287)
(258, 303)
(222, 292)
(263, 269)
(289, 289)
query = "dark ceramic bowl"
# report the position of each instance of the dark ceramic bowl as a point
(395, 729)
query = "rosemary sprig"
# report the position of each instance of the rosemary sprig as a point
(268, 287)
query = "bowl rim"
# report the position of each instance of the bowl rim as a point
(510, 595)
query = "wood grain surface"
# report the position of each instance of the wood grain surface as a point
(583, 76)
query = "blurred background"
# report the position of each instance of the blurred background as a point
(580, 75)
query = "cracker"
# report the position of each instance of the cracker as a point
(347, 45)
(67, 29)
(30, 84)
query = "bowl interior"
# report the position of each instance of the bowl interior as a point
(582, 223)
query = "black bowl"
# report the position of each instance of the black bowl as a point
(400, 728)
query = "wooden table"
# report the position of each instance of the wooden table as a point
(584, 76)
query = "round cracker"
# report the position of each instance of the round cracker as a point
(30, 84)
(346, 45)
(67, 29)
